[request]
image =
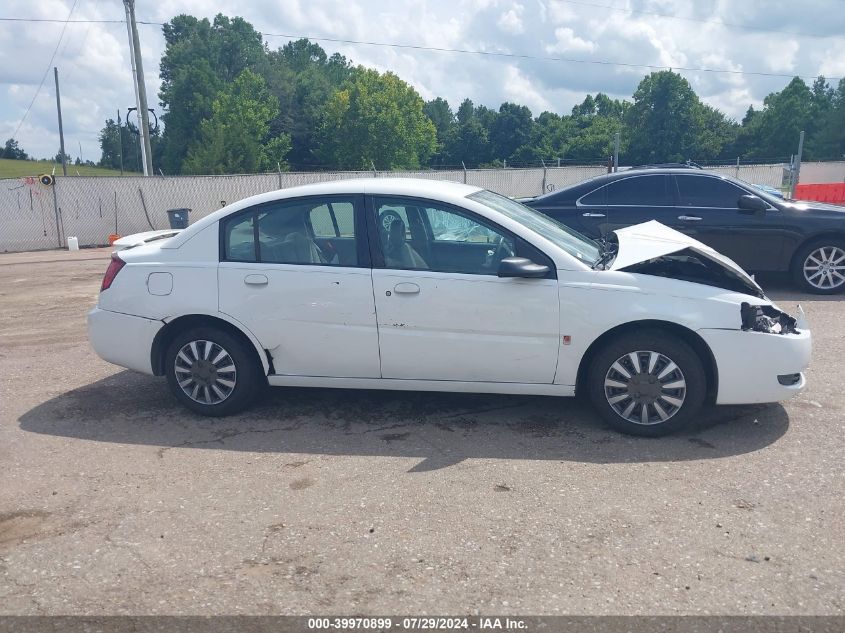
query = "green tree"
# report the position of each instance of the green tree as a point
(828, 140)
(376, 119)
(510, 130)
(779, 124)
(124, 140)
(235, 138)
(200, 57)
(444, 121)
(303, 77)
(668, 122)
(13, 150)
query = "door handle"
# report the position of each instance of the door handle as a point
(406, 288)
(689, 218)
(256, 280)
(592, 215)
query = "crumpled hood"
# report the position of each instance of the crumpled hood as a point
(649, 240)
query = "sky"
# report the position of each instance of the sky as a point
(549, 53)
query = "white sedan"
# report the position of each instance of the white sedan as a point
(374, 284)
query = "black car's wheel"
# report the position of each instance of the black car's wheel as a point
(647, 383)
(819, 267)
(212, 372)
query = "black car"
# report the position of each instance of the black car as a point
(759, 231)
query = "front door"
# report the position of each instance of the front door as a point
(443, 313)
(296, 274)
(707, 210)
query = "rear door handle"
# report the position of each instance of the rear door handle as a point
(592, 215)
(256, 280)
(689, 218)
(406, 288)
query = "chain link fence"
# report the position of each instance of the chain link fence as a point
(34, 216)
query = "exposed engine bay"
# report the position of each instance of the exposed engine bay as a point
(688, 265)
(767, 319)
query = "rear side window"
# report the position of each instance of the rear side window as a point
(309, 231)
(239, 239)
(640, 191)
(706, 191)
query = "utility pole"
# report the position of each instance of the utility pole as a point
(61, 129)
(140, 87)
(616, 152)
(796, 174)
(120, 141)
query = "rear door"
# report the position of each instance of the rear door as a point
(625, 202)
(296, 274)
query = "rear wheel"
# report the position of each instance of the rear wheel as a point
(649, 383)
(212, 372)
(819, 267)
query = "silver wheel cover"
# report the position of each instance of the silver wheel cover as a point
(645, 387)
(205, 372)
(824, 268)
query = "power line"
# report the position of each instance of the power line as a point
(541, 58)
(52, 57)
(465, 51)
(699, 20)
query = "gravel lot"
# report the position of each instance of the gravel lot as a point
(115, 500)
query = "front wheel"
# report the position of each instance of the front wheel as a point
(212, 372)
(649, 383)
(819, 267)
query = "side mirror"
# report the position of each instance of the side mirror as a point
(751, 203)
(521, 267)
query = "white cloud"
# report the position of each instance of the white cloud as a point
(566, 42)
(511, 20)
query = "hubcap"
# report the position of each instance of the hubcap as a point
(645, 387)
(824, 268)
(205, 372)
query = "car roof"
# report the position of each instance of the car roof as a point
(443, 190)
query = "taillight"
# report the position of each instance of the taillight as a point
(111, 272)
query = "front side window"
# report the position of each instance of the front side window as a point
(582, 248)
(425, 235)
(309, 231)
(707, 191)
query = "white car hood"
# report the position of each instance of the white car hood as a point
(139, 239)
(642, 242)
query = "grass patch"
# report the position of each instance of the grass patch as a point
(10, 168)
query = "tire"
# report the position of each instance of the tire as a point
(818, 256)
(227, 376)
(620, 400)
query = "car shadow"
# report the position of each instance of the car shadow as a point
(440, 429)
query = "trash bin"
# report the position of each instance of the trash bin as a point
(178, 218)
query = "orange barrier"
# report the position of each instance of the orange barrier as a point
(833, 192)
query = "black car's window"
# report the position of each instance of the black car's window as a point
(641, 191)
(597, 198)
(707, 191)
(309, 231)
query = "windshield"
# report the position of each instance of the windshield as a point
(577, 245)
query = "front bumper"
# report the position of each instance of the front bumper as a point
(123, 339)
(749, 363)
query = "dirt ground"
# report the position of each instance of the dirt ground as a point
(115, 500)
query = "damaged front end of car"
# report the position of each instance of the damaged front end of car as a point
(768, 319)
